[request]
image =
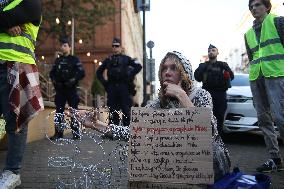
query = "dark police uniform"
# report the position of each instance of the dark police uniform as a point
(65, 74)
(121, 70)
(216, 79)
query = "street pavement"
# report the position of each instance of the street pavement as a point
(92, 163)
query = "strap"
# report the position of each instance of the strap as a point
(23, 34)
(265, 43)
(268, 58)
(17, 48)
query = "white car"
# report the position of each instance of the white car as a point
(240, 115)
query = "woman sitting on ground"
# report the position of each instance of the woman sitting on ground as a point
(177, 91)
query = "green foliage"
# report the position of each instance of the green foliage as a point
(87, 15)
(97, 87)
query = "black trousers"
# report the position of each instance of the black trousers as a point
(119, 99)
(219, 99)
(63, 96)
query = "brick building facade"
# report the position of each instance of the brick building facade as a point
(126, 24)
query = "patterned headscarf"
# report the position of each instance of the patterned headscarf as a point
(185, 63)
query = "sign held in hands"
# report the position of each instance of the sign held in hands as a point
(171, 145)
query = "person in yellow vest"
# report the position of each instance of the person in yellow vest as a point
(20, 96)
(264, 44)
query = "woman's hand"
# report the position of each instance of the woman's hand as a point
(172, 90)
(89, 119)
(176, 91)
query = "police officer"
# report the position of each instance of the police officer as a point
(121, 70)
(65, 74)
(215, 77)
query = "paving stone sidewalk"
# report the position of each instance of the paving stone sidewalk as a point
(46, 164)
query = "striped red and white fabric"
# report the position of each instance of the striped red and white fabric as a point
(25, 95)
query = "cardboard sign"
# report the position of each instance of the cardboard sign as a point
(171, 145)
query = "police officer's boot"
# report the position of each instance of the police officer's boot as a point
(57, 135)
(59, 125)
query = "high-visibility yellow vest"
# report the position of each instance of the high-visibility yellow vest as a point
(20, 48)
(268, 53)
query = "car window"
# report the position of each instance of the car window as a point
(240, 80)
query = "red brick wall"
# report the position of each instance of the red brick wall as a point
(100, 47)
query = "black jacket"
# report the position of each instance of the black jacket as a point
(212, 75)
(66, 71)
(120, 69)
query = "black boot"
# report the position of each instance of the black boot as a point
(59, 126)
(57, 135)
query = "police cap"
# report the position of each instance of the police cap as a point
(116, 41)
(63, 40)
(212, 47)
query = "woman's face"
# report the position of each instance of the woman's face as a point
(170, 72)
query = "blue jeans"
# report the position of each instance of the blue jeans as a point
(16, 140)
(268, 98)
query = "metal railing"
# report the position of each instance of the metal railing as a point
(48, 91)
